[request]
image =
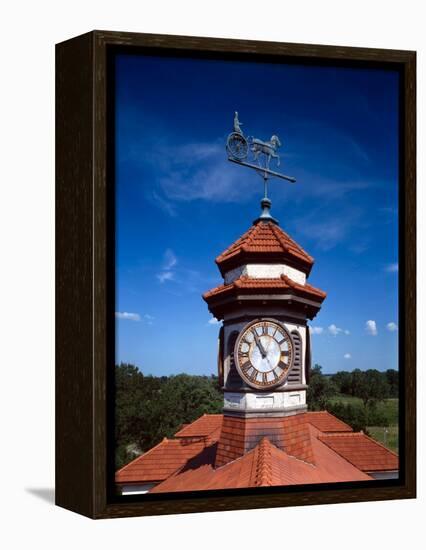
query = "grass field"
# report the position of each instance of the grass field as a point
(389, 407)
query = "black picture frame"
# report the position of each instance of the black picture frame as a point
(85, 329)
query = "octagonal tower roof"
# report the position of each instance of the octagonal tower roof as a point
(265, 242)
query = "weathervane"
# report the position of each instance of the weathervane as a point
(239, 149)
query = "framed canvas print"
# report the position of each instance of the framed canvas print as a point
(235, 275)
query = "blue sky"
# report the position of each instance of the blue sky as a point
(180, 202)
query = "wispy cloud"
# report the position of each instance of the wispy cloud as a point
(128, 316)
(164, 276)
(169, 263)
(170, 259)
(335, 330)
(359, 247)
(146, 317)
(392, 327)
(192, 171)
(316, 330)
(371, 327)
(392, 268)
(347, 356)
(149, 319)
(162, 203)
(328, 230)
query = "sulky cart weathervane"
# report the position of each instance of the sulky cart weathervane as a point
(256, 154)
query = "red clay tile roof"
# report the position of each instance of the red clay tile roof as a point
(206, 427)
(264, 241)
(281, 285)
(326, 422)
(219, 451)
(265, 465)
(203, 426)
(361, 451)
(159, 462)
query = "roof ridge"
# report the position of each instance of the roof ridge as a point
(278, 234)
(263, 473)
(235, 245)
(282, 233)
(341, 434)
(250, 233)
(287, 279)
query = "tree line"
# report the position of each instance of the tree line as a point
(149, 408)
(327, 392)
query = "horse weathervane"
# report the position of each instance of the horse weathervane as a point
(239, 149)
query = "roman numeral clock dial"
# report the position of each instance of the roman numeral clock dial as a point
(264, 354)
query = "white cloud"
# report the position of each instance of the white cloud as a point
(128, 316)
(335, 330)
(392, 268)
(165, 276)
(392, 327)
(332, 329)
(316, 330)
(371, 327)
(214, 321)
(347, 356)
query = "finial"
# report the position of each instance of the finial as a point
(265, 216)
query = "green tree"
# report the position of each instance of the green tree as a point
(321, 388)
(343, 381)
(149, 408)
(370, 386)
(392, 377)
(354, 415)
(357, 386)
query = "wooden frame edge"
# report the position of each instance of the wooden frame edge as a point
(81, 274)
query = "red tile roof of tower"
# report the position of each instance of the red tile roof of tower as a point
(281, 285)
(265, 242)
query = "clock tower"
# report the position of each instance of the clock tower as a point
(265, 304)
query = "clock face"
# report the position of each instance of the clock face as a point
(264, 353)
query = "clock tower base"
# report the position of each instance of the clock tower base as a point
(265, 404)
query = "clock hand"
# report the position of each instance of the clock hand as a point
(259, 344)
